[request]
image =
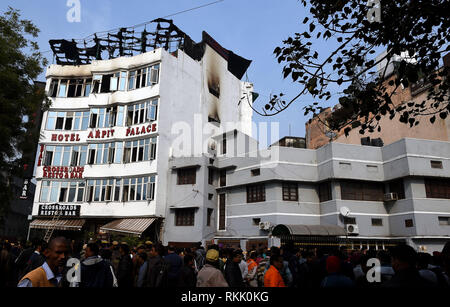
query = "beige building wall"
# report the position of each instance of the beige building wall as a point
(391, 130)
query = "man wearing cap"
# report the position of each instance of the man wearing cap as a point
(210, 275)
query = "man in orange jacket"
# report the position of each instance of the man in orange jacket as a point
(273, 278)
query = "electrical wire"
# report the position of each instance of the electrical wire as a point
(148, 22)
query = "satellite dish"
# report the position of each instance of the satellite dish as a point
(345, 211)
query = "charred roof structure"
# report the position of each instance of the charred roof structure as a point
(130, 42)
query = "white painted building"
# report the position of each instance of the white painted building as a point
(113, 125)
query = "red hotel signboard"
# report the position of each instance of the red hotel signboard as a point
(141, 130)
(63, 172)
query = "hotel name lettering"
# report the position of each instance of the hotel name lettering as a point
(57, 209)
(101, 134)
(63, 172)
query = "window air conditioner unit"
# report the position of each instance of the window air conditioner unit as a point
(264, 225)
(352, 229)
(390, 197)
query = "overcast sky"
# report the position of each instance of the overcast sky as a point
(250, 28)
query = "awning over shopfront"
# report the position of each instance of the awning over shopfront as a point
(308, 230)
(131, 226)
(62, 224)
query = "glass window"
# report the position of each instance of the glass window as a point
(99, 154)
(117, 190)
(83, 156)
(45, 187)
(66, 156)
(72, 192)
(97, 190)
(63, 191)
(80, 194)
(77, 121)
(123, 80)
(62, 88)
(120, 116)
(51, 120)
(118, 155)
(105, 153)
(54, 192)
(131, 79)
(85, 122)
(58, 154)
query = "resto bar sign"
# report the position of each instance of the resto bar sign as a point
(63, 172)
(57, 209)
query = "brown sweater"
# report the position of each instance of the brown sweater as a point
(38, 278)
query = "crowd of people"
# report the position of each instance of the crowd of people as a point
(104, 264)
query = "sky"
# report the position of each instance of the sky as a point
(250, 28)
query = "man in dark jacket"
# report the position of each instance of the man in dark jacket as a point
(125, 268)
(187, 277)
(233, 273)
(175, 266)
(158, 268)
(95, 271)
(404, 264)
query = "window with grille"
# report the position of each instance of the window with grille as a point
(184, 217)
(349, 220)
(362, 190)
(325, 191)
(436, 164)
(437, 188)
(186, 175)
(409, 223)
(444, 220)
(256, 193)
(377, 222)
(290, 191)
(255, 172)
(222, 212)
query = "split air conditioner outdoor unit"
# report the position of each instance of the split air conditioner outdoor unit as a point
(265, 225)
(352, 229)
(390, 197)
